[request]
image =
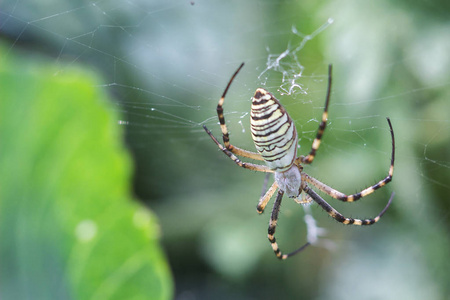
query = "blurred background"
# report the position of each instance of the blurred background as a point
(165, 65)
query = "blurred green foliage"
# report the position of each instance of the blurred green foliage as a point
(166, 64)
(69, 228)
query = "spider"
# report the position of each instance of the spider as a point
(275, 138)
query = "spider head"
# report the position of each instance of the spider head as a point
(290, 181)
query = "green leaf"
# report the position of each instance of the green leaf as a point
(69, 228)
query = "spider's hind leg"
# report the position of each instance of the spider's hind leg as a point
(223, 127)
(323, 124)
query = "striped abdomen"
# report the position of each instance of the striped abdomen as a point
(273, 131)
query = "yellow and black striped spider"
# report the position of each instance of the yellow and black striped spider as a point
(275, 138)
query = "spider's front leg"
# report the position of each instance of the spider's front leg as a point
(272, 228)
(367, 191)
(338, 216)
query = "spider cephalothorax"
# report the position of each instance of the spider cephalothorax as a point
(275, 138)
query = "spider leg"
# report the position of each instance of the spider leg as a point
(338, 216)
(341, 196)
(266, 197)
(272, 227)
(250, 166)
(224, 129)
(266, 180)
(323, 124)
(305, 199)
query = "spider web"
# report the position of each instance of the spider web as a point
(166, 63)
